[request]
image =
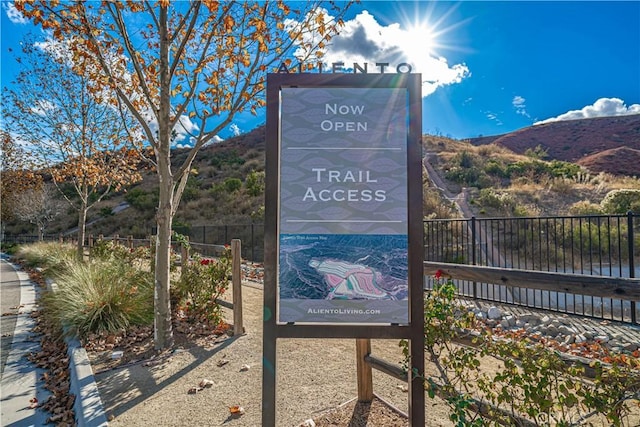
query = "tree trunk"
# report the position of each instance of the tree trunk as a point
(163, 337)
(82, 224)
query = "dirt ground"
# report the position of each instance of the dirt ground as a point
(217, 380)
(314, 378)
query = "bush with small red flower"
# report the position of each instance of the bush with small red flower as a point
(202, 282)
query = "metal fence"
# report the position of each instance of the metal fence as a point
(598, 245)
(251, 235)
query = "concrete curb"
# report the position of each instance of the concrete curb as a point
(88, 407)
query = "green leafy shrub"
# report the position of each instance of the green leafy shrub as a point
(531, 385)
(502, 202)
(496, 168)
(9, 248)
(537, 169)
(231, 185)
(585, 207)
(141, 200)
(229, 157)
(106, 212)
(560, 169)
(202, 282)
(255, 183)
(621, 201)
(192, 189)
(537, 153)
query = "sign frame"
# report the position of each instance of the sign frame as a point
(413, 331)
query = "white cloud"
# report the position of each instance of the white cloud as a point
(14, 14)
(519, 103)
(235, 129)
(184, 129)
(364, 40)
(603, 107)
(493, 117)
(213, 141)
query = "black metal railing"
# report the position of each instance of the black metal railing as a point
(597, 245)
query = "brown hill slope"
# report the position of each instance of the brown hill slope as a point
(574, 140)
(625, 160)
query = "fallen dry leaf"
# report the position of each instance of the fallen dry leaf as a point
(33, 403)
(194, 390)
(206, 383)
(222, 362)
(244, 368)
(236, 410)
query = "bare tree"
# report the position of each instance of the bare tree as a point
(16, 174)
(77, 134)
(38, 206)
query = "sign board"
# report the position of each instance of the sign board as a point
(343, 217)
(343, 205)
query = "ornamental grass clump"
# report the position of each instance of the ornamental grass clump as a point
(51, 257)
(202, 282)
(101, 297)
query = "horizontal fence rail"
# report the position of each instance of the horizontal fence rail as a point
(596, 245)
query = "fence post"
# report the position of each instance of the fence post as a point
(364, 370)
(130, 241)
(253, 245)
(236, 280)
(116, 238)
(474, 259)
(632, 273)
(60, 238)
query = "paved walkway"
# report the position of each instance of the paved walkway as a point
(20, 379)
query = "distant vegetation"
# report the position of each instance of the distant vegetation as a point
(503, 183)
(227, 181)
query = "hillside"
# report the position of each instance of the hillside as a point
(590, 142)
(226, 186)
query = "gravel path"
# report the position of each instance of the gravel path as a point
(314, 376)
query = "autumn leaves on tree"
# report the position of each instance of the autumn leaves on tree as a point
(183, 70)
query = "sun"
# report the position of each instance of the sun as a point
(420, 41)
(425, 31)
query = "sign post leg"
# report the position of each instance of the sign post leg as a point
(269, 383)
(365, 374)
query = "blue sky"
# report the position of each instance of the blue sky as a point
(491, 67)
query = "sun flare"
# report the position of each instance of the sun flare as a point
(420, 41)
